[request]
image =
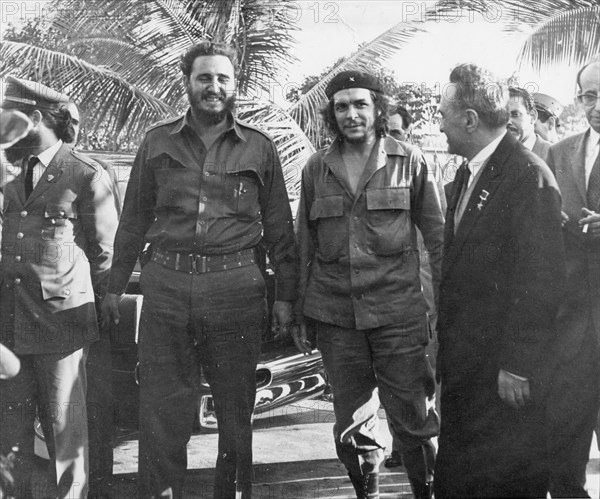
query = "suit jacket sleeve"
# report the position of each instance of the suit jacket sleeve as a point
(538, 273)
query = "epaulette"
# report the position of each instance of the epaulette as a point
(166, 121)
(86, 160)
(245, 124)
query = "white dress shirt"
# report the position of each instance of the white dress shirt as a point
(592, 148)
(44, 159)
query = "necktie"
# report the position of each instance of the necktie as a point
(593, 190)
(464, 179)
(29, 176)
(461, 202)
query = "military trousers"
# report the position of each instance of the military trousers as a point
(365, 367)
(210, 322)
(52, 385)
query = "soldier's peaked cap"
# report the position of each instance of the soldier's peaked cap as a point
(20, 92)
(352, 79)
(549, 104)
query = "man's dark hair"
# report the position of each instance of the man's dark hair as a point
(480, 90)
(58, 120)
(381, 107)
(407, 119)
(525, 97)
(206, 48)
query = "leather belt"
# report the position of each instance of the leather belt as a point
(193, 263)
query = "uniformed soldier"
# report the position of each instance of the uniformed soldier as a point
(549, 111)
(58, 228)
(206, 191)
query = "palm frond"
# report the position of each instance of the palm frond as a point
(569, 38)
(293, 146)
(306, 110)
(515, 13)
(122, 101)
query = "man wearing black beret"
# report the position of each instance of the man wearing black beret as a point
(360, 290)
(58, 226)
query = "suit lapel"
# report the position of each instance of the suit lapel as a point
(51, 175)
(485, 187)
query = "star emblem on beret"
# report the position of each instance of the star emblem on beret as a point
(351, 78)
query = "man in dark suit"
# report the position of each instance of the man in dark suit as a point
(523, 115)
(501, 280)
(573, 403)
(58, 227)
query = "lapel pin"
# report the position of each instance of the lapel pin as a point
(50, 178)
(482, 199)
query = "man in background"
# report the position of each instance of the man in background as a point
(574, 396)
(523, 116)
(100, 399)
(548, 120)
(399, 124)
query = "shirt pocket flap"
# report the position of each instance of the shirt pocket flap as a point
(247, 170)
(331, 206)
(54, 290)
(388, 199)
(60, 210)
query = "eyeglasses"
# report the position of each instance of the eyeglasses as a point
(588, 99)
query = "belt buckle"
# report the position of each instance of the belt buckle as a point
(194, 263)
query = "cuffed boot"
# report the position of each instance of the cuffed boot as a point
(366, 486)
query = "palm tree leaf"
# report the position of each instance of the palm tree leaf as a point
(293, 146)
(84, 81)
(514, 13)
(306, 110)
(569, 38)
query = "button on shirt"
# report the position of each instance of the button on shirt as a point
(183, 197)
(359, 258)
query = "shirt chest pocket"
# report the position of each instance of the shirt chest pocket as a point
(326, 213)
(58, 218)
(383, 204)
(388, 220)
(176, 185)
(242, 188)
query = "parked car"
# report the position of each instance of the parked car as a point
(283, 376)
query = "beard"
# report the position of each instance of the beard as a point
(208, 116)
(356, 140)
(24, 148)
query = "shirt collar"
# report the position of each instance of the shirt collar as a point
(45, 157)
(482, 156)
(233, 124)
(530, 142)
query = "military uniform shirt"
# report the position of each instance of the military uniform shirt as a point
(359, 258)
(183, 197)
